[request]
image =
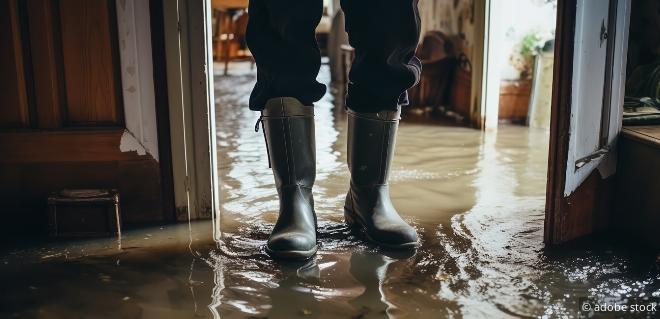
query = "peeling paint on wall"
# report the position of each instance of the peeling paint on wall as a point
(137, 76)
(129, 143)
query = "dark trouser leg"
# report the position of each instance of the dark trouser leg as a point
(384, 34)
(281, 37)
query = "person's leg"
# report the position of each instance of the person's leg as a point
(281, 36)
(384, 34)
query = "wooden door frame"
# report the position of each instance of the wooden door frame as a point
(478, 92)
(140, 28)
(587, 209)
(157, 20)
(192, 117)
(189, 64)
(483, 93)
(560, 113)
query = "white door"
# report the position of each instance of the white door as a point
(601, 42)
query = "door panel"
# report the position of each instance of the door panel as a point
(46, 65)
(589, 74)
(597, 86)
(89, 71)
(13, 94)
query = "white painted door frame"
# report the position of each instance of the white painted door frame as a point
(480, 91)
(490, 79)
(481, 12)
(192, 113)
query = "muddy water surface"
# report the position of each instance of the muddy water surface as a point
(476, 200)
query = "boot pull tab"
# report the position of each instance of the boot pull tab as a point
(256, 129)
(256, 125)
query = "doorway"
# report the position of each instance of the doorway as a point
(476, 197)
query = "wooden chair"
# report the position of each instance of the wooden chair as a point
(229, 30)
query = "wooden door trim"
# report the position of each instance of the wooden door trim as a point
(588, 208)
(157, 19)
(116, 62)
(560, 119)
(477, 114)
(174, 24)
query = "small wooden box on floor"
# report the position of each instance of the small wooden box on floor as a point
(84, 213)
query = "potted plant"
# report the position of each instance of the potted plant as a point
(515, 94)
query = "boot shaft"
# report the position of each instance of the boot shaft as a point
(371, 141)
(289, 131)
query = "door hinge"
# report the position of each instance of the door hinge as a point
(591, 157)
(603, 33)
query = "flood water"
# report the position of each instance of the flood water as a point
(476, 199)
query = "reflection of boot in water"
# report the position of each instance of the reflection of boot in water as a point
(292, 298)
(369, 269)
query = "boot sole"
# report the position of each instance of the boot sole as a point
(292, 254)
(354, 222)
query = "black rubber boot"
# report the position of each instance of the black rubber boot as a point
(289, 131)
(371, 138)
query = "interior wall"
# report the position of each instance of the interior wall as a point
(452, 17)
(465, 21)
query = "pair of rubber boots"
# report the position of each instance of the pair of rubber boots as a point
(288, 127)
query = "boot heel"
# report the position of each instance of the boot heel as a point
(350, 220)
